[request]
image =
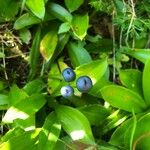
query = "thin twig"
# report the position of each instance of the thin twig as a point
(131, 22)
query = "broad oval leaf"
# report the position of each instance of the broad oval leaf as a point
(78, 54)
(37, 7)
(146, 82)
(73, 5)
(25, 108)
(59, 12)
(75, 124)
(80, 25)
(48, 44)
(26, 20)
(123, 98)
(132, 79)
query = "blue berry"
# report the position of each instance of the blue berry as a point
(67, 91)
(68, 75)
(84, 84)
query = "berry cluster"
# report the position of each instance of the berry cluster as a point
(83, 83)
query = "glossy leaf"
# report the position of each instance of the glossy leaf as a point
(48, 44)
(25, 21)
(75, 124)
(49, 133)
(35, 53)
(25, 108)
(25, 140)
(80, 25)
(73, 5)
(140, 54)
(95, 113)
(132, 79)
(123, 98)
(37, 7)
(59, 12)
(78, 54)
(146, 82)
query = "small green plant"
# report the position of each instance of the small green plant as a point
(74, 75)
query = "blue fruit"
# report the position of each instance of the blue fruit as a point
(84, 84)
(67, 91)
(68, 75)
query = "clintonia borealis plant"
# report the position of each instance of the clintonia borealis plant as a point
(74, 75)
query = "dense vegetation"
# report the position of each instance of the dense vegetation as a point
(106, 43)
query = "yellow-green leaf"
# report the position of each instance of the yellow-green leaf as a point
(80, 25)
(48, 44)
(123, 98)
(37, 7)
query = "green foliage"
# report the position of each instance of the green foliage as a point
(106, 40)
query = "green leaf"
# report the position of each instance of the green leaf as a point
(132, 79)
(78, 54)
(142, 133)
(27, 124)
(75, 124)
(26, 20)
(35, 86)
(73, 5)
(141, 54)
(59, 12)
(25, 140)
(37, 7)
(95, 69)
(95, 113)
(35, 53)
(48, 44)
(80, 25)
(16, 95)
(25, 35)
(25, 108)
(8, 9)
(118, 137)
(4, 99)
(146, 82)
(49, 133)
(64, 27)
(123, 98)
